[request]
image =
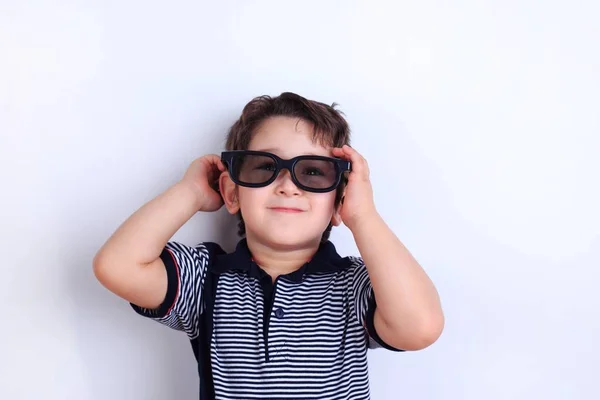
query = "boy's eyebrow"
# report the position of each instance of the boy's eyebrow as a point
(269, 150)
(275, 150)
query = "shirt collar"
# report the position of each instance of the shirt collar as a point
(326, 259)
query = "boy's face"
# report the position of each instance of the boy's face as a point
(281, 214)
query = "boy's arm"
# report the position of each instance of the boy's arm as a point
(408, 314)
(129, 263)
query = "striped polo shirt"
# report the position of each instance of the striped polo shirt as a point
(303, 336)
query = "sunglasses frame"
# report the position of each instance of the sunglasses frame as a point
(341, 166)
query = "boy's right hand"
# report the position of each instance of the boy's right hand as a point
(203, 177)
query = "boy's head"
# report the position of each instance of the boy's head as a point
(291, 209)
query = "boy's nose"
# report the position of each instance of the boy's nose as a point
(285, 184)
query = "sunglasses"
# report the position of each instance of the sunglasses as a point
(256, 169)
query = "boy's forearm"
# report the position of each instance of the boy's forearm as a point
(408, 305)
(142, 237)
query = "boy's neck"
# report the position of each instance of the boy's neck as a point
(280, 261)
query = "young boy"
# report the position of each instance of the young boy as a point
(283, 316)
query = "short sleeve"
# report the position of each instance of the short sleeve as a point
(183, 304)
(364, 304)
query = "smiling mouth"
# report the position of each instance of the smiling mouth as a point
(286, 209)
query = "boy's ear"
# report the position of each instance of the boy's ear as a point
(336, 218)
(229, 193)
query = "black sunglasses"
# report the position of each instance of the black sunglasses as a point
(311, 173)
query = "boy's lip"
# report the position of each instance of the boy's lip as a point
(287, 209)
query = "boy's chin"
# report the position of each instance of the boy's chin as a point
(283, 239)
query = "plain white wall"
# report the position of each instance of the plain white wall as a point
(479, 120)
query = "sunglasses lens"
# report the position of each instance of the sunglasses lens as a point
(316, 174)
(253, 169)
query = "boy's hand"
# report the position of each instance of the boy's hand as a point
(358, 201)
(202, 177)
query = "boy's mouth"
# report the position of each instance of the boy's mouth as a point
(286, 209)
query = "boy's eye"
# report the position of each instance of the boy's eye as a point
(312, 171)
(266, 166)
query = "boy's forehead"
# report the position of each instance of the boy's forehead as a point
(287, 137)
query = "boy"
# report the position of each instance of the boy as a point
(283, 316)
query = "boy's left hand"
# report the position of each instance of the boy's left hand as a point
(358, 203)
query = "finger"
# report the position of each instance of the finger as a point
(359, 163)
(339, 152)
(215, 168)
(349, 150)
(216, 161)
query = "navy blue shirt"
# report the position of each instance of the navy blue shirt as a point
(303, 336)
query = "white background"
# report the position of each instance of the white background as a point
(479, 120)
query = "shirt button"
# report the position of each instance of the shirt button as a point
(279, 313)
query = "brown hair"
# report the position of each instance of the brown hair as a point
(329, 128)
